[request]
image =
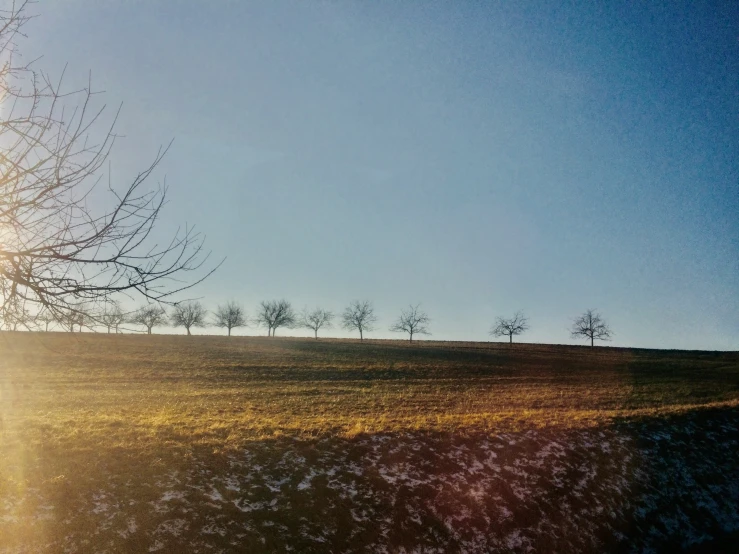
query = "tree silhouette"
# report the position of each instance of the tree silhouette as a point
(188, 315)
(508, 327)
(591, 325)
(15, 315)
(316, 320)
(360, 316)
(149, 316)
(113, 317)
(412, 321)
(229, 316)
(47, 318)
(275, 313)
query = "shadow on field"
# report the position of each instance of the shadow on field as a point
(686, 485)
(660, 484)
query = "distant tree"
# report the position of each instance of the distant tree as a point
(119, 318)
(112, 317)
(47, 318)
(591, 325)
(76, 315)
(149, 316)
(188, 315)
(84, 319)
(360, 316)
(274, 314)
(316, 320)
(508, 327)
(229, 316)
(412, 321)
(69, 319)
(14, 315)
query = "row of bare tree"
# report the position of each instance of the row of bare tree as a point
(358, 316)
(271, 315)
(274, 314)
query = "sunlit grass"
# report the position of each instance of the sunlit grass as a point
(123, 390)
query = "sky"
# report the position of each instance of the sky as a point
(478, 158)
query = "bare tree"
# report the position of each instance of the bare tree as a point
(229, 316)
(188, 315)
(47, 318)
(150, 316)
(360, 316)
(591, 325)
(412, 321)
(274, 314)
(70, 318)
(508, 327)
(15, 315)
(119, 318)
(57, 248)
(113, 317)
(316, 320)
(68, 321)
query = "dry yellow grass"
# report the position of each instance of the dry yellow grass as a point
(122, 390)
(77, 410)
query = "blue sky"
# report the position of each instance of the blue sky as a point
(478, 158)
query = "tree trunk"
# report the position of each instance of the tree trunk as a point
(591, 341)
(316, 330)
(410, 339)
(510, 338)
(188, 331)
(360, 334)
(148, 330)
(229, 331)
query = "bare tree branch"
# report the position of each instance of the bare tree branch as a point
(56, 250)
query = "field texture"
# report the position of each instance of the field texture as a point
(210, 444)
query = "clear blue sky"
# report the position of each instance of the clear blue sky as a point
(476, 157)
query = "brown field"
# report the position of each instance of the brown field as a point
(212, 444)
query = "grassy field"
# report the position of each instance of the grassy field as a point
(212, 444)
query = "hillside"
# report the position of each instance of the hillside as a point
(173, 443)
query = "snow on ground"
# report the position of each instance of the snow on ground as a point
(631, 487)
